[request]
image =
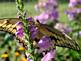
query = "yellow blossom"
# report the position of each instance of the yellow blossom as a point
(23, 59)
(17, 53)
(21, 48)
(4, 55)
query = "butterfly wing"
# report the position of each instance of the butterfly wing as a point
(10, 20)
(9, 25)
(58, 38)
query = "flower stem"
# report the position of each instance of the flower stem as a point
(21, 10)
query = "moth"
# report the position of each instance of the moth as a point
(57, 37)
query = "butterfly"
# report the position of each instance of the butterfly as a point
(58, 38)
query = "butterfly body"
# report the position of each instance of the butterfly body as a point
(58, 38)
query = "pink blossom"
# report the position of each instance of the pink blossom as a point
(43, 17)
(49, 56)
(63, 28)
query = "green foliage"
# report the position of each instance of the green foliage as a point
(14, 0)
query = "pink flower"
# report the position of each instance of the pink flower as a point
(71, 1)
(63, 28)
(80, 33)
(43, 17)
(53, 2)
(78, 10)
(49, 56)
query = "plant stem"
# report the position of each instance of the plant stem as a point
(21, 10)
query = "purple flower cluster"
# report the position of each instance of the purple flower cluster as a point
(44, 43)
(32, 28)
(74, 9)
(20, 31)
(73, 3)
(48, 9)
